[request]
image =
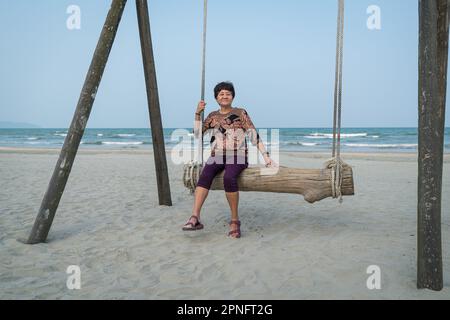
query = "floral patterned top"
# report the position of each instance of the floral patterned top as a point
(229, 132)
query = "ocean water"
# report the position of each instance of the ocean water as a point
(286, 139)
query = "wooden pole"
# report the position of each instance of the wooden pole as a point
(159, 151)
(433, 58)
(64, 164)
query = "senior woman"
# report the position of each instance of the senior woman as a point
(230, 126)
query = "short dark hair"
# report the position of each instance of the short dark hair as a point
(224, 86)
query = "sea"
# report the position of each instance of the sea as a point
(284, 139)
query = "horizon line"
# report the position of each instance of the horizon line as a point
(261, 127)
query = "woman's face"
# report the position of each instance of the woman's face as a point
(224, 98)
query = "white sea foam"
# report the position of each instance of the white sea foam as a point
(42, 143)
(60, 134)
(308, 144)
(298, 143)
(318, 135)
(385, 145)
(125, 135)
(122, 143)
(33, 138)
(99, 134)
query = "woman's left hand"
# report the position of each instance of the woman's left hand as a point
(270, 162)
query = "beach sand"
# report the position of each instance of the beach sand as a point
(109, 223)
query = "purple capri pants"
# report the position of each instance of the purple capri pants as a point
(233, 166)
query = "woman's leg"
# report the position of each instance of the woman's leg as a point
(232, 171)
(233, 201)
(210, 170)
(200, 197)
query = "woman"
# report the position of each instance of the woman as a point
(229, 152)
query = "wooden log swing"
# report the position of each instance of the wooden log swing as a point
(334, 180)
(313, 184)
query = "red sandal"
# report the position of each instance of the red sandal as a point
(189, 226)
(236, 232)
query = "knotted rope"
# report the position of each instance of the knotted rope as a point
(335, 163)
(191, 172)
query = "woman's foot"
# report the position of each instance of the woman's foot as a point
(193, 224)
(235, 229)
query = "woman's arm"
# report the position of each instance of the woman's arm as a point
(262, 149)
(198, 119)
(255, 139)
(265, 153)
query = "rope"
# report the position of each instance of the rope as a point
(202, 94)
(341, 54)
(338, 82)
(336, 164)
(191, 171)
(190, 175)
(205, 13)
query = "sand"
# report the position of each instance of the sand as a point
(109, 224)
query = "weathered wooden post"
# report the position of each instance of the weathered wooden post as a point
(433, 59)
(159, 151)
(64, 164)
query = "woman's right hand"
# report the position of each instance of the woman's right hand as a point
(201, 106)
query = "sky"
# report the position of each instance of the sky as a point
(280, 55)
